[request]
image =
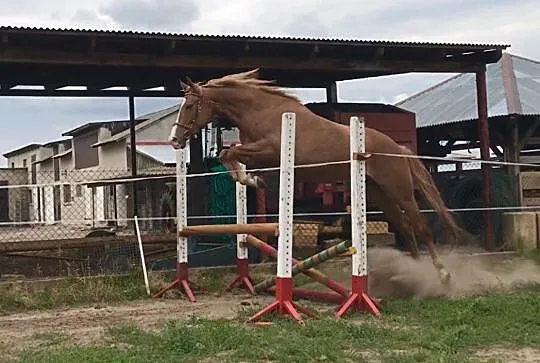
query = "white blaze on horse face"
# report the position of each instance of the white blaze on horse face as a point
(173, 138)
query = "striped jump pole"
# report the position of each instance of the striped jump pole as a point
(358, 300)
(181, 279)
(283, 303)
(242, 257)
(308, 263)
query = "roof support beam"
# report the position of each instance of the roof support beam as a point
(35, 56)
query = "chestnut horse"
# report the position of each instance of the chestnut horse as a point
(256, 106)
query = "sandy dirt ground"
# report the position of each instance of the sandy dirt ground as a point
(86, 325)
(391, 274)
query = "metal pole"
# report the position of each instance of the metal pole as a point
(331, 93)
(133, 151)
(483, 132)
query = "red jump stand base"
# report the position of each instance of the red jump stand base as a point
(359, 300)
(181, 281)
(242, 277)
(283, 304)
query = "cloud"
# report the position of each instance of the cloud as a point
(152, 15)
(493, 21)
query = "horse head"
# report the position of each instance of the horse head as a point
(193, 114)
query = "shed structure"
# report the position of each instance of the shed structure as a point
(151, 64)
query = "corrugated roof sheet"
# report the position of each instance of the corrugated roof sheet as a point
(454, 100)
(250, 37)
(149, 118)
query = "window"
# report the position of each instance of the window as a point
(12, 165)
(78, 190)
(67, 193)
(24, 163)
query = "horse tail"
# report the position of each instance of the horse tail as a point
(424, 182)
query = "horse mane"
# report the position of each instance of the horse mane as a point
(249, 79)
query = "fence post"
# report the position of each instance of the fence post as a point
(359, 298)
(283, 303)
(242, 257)
(181, 279)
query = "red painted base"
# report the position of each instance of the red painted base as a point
(359, 300)
(181, 281)
(283, 304)
(242, 277)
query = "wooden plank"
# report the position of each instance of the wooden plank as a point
(37, 56)
(249, 228)
(27, 246)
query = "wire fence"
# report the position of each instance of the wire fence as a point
(81, 222)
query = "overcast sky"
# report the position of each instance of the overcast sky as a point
(493, 21)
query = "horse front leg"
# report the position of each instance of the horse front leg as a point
(247, 154)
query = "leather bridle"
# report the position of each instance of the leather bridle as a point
(189, 124)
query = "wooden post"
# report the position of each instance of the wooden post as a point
(483, 132)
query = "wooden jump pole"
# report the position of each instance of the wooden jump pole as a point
(359, 299)
(283, 303)
(181, 278)
(308, 263)
(313, 273)
(236, 229)
(242, 255)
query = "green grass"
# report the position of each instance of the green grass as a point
(16, 297)
(445, 330)
(76, 291)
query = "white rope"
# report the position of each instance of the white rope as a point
(277, 168)
(458, 160)
(314, 214)
(161, 176)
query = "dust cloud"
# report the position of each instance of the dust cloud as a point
(392, 273)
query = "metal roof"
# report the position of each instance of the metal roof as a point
(197, 36)
(513, 87)
(149, 119)
(22, 149)
(151, 63)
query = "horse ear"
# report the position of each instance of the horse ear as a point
(254, 73)
(184, 86)
(189, 81)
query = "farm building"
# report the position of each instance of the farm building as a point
(447, 120)
(91, 152)
(150, 65)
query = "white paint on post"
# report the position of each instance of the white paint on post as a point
(181, 202)
(143, 261)
(241, 217)
(286, 193)
(358, 197)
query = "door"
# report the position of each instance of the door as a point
(4, 202)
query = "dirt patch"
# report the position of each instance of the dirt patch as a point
(86, 325)
(508, 355)
(393, 273)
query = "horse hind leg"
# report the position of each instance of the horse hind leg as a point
(394, 215)
(420, 227)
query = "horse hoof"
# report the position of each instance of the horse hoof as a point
(444, 276)
(259, 182)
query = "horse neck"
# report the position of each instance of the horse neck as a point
(241, 106)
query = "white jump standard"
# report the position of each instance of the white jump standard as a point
(283, 303)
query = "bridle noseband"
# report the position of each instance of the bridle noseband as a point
(189, 124)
